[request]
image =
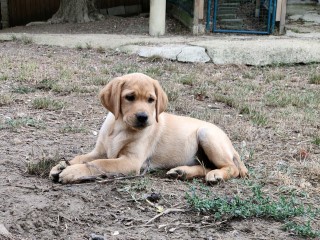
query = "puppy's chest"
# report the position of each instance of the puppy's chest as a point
(118, 142)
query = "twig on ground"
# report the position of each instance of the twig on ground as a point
(167, 211)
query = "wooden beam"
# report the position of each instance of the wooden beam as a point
(283, 16)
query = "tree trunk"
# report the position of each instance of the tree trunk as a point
(76, 11)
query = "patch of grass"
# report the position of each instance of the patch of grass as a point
(47, 103)
(256, 204)
(5, 100)
(258, 117)
(46, 84)
(72, 129)
(22, 122)
(274, 75)
(154, 58)
(226, 99)
(23, 89)
(88, 46)
(79, 47)
(172, 93)
(314, 78)
(14, 37)
(303, 230)
(282, 98)
(154, 72)
(99, 81)
(42, 167)
(187, 80)
(100, 50)
(125, 69)
(316, 141)
(26, 71)
(26, 39)
(3, 78)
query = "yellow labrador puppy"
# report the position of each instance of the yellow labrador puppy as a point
(137, 128)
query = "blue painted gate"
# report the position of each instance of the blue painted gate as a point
(242, 16)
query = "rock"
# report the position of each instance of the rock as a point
(4, 232)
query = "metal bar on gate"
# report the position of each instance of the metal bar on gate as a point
(269, 16)
(215, 9)
(274, 15)
(208, 15)
(240, 31)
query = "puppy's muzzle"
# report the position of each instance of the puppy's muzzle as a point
(141, 119)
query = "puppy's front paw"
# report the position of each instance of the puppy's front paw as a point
(74, 173)
(56, 170)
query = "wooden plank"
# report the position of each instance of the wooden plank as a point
(201, 9)
(283, 16)
(278, 13)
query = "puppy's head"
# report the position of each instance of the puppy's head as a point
(136, 98)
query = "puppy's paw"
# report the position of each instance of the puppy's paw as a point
(214, 177)
(176, 173)
(74, 173)
(56, 170)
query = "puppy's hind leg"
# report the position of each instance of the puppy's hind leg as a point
(220, 152)
(188, 172)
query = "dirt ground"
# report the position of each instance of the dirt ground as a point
(49, 110)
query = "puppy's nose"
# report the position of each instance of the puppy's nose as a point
(142, 117)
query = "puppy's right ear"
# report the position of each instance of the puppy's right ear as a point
(110, 96)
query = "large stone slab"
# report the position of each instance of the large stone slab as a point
(181, 53)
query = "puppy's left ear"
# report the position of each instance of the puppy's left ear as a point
(110, 96)
(162, 99)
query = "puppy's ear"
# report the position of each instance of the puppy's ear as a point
(110, 96)
(162, 99)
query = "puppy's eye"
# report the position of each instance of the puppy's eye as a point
(130, 98)
(150, 100)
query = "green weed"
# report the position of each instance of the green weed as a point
(26, 39)
(47, 103)
(316, 140)
(46, 84)
(22, 122)
(314, 78)
(5, 100)
(257, 204)
(187, 80)
(42, 167)
(304, 230)
(23, 89)
(72, 129)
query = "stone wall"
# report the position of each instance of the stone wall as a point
(4, 13)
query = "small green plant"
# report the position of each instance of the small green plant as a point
(316, 140)
(304, 230)
(154, 71)
(14, 37)
(42, 167)
(100, 50)
(26, 40)
(79, 47)
(46, 84)
(22, 122)
(5, 99)
(47, 103)
(256, 204)
(3, 78)
(88, 46)
(187, 80)
(154, 58)
(258, 118)
(229, 101)
(72, 129)
(314, 78)
(23, 89)
(99, 81)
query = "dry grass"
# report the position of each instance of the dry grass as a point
(270, 113)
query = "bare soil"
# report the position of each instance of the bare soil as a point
(278, 146)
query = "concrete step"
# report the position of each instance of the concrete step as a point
(226, 16)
